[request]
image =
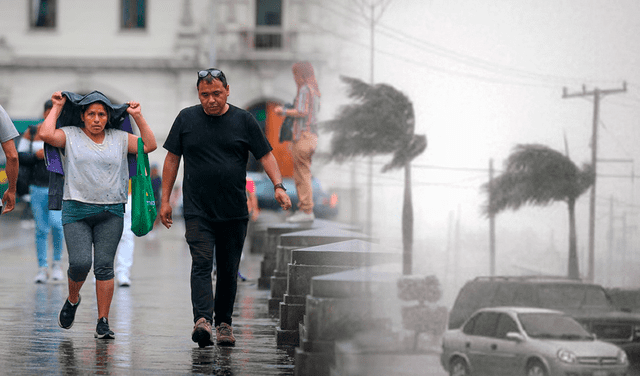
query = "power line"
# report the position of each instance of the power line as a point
(468, 60)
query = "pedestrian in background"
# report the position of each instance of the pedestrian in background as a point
(96, 176)
(7, 133)
(126, 246)
(215, 139)
(31, 153)
(305, 136)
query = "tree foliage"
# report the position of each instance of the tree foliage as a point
(537, 175)
(379, 121)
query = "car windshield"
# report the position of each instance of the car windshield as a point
(572, 296)
(552, 325)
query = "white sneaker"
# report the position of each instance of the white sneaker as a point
(123, 281)
(43, 274)
(301, 216)
(56, 273)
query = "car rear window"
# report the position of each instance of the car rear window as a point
(571, 296)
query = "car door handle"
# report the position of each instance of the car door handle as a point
(467, 345)
(494, 346)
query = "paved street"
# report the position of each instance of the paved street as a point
(152, 318)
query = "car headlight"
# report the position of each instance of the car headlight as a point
(566, 356)
(622, 357)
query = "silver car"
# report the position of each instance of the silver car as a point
(513, 341)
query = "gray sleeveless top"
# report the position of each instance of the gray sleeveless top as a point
(95, 173)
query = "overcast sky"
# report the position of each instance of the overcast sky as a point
(485, 75)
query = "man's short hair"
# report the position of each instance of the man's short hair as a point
(210, 74)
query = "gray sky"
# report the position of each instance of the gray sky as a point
(485, 75)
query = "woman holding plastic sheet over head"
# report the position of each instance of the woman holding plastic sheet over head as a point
(96, 176)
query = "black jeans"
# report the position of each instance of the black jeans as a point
(227, 238)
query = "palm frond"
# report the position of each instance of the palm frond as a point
(535, 174)
(379, 121)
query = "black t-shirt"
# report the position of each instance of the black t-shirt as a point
(215, 151)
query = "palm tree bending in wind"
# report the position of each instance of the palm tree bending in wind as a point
(381, 121)
(538, 175)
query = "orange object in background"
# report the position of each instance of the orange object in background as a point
(252, 200)
(281, 151)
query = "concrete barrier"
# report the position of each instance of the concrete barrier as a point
(340, 306)
(322, 234)
(268, 236)
(309, 262)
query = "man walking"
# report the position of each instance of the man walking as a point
(215, 139)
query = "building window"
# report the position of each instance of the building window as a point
(43, 14)
(269, 23)
(133, 14)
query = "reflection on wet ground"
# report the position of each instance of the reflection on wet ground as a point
(152, 319)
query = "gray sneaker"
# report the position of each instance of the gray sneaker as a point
(301, 216)
(56, 272)
(42, 276)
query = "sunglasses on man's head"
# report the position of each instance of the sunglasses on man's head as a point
(215, 73)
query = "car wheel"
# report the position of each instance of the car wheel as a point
(458, 367)
(535, 368)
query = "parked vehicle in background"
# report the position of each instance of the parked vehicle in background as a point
(588, 303)
(625, 299)
(325, 204)
(513, 341)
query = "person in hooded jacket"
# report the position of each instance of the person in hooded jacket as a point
(96, 176)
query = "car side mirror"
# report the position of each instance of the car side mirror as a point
(514, 336)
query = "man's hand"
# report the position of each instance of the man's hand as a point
(165, 215)
(283, 199)
(8, 201)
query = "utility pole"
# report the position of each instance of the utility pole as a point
(369, 7)
(597, 95)
(492, 227)
(610, 242)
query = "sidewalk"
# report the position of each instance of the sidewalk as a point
(152, 318)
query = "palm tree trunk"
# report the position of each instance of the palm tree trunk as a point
(574, 270)
(407, 222)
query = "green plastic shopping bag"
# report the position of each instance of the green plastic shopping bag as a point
(143, 204)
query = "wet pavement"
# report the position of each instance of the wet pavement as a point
(152, 318)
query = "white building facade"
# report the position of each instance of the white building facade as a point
(150, 51)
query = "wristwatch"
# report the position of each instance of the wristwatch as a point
(279, 185)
